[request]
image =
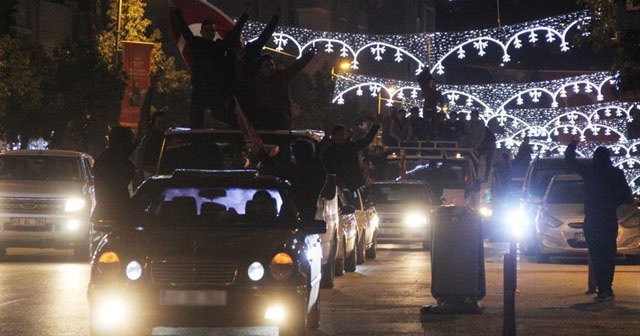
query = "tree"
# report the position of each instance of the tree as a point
(25, 88)
(172, 85)
(606, 33)
(7, 16)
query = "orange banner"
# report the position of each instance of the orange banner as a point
(136, 62)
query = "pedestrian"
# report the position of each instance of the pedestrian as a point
(213, 70)
(605, 188)
(342, 156)
(113, 171)
(148, 150)
(400, 128)
(523, 157)
(418, 125)
(475, 131)
(432, 100)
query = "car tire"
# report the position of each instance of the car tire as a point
(372, 251)
(313, 319)
(541, 258)
(329, 269)
(298, 326)
(360, 249)
(339, 265)
(351, 260)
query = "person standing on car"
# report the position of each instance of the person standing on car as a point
(113, 171)
(605, 189)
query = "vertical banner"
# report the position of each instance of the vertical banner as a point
(136, 62)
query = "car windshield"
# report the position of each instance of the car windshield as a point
(215, 206)
(39, 167)
(566, 192)
(398, 193)
(439, 174)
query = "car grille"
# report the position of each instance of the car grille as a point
(31, 206)
(193, 273)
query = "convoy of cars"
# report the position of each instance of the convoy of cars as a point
(46, 200)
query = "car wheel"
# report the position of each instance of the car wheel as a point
(360, 248)
(329, 269)
(313, 319)
(372, 251)
(351, 260)
(298, 326)
(541, 258)
(339, 269)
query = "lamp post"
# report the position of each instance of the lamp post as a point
(118, 14)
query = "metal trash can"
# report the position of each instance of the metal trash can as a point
(457, 261)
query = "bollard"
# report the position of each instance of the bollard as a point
(510, 284)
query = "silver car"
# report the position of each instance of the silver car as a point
(405, 211)
(46, 200)
(560, 217)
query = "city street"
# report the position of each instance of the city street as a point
(44, 293)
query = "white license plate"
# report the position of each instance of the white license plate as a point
(391, 231)
(579, 237)
(193, 298)
(28, 222)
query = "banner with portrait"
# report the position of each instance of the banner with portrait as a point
(136, 62)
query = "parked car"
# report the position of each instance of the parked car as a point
(502, 218)
(406, 211)
(367, 220)
(346, 259)
(535, 184)
(560, 216)
(207, 249)
(46, 200)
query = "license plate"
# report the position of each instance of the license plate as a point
(28, 222)
(193, 298)
(579, 237)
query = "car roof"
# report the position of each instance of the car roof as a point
(400, 182)
(45, 152)
(238, 177)
(566, 177)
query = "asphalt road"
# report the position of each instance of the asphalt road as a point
(44, 293)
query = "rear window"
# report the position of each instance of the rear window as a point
(40, 167)
(214, 206)
(542, 172)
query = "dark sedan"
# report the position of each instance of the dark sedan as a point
(207, 249)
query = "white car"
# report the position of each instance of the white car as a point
(560, 217)
(405, 211)
(46, 200)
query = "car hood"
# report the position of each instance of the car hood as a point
(227, 242)
(399, 208)
(575, 212)
(49, 189)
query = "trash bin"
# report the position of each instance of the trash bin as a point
(457, 261)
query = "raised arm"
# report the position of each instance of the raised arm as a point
(299, 64)
(183, 26)
(366, 140)
(261, 41)
(233, 36)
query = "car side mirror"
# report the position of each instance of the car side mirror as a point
(104, 225)
(348, 209)
(315, 227)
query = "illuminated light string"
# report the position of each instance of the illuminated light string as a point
(492, 99)
(414, 46)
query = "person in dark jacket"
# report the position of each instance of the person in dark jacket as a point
(605, 189)
(213, 69)
(432, 100)
(342, 156)
(113, 171)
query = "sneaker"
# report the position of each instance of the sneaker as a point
(603, 297)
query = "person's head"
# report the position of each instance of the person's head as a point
(121, 139)
(264, 204)
(432, 83)
(303, 151)
(415, 112)
(158, 120)
(602, 156)
(339, 134)
(475, 114)
(208, 30)
(266, 66)
(525, 139)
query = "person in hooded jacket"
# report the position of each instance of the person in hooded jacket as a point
(605, 189)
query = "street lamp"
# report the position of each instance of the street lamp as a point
(118, 14)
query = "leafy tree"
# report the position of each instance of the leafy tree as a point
(171, 85)
(25, 88)
(7, 16)
(627, 44)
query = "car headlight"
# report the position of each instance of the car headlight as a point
(281, 266)
(485, 211)
(133, 270)
(255, 271)
(415, 220)
(631, 222)
(74, 204)
(548, 220)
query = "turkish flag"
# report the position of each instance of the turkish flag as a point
(194, 12)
